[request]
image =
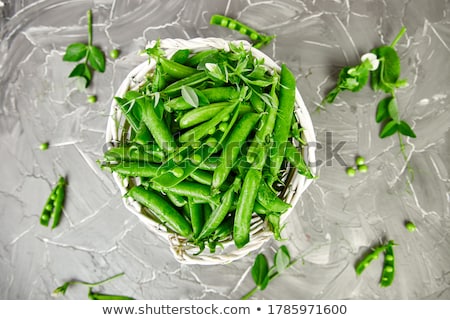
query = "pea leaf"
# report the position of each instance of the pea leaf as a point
(202, 99)
(389, 129)
(190, 96)
(393, 109)
(75, 52)
(385, 77)
(260, 271)
(282, 259)
(96, 58)
(405, 129)
(382, 110)
(82, 70)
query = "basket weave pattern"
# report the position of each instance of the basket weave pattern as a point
(182, 250)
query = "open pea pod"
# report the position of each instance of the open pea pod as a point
(173, 172)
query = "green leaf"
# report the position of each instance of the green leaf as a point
(382, 110)
(282, 259)
(215, 71)
(75, 52)
(386, 76)
(393, 109)
(260, 271)
(389, 129)
(190, 96)
(82, 70)
(96, 58)
(405, 129)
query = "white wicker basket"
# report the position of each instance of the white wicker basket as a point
(182, 250)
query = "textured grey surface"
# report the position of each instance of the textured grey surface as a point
(337, 219)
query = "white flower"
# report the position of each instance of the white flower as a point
(372, 59)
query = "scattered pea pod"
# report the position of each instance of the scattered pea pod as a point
(54, 204)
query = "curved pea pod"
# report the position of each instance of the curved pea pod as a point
(176, 70)
(198, 132)
(219, 214)
(245, 205)
(283, 120)
(157, 127)
(201, 114)
(269, 200)
(133, 169)
(162, 210)
(296, 159)
(232, 149)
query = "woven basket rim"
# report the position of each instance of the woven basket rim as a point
(183, 251)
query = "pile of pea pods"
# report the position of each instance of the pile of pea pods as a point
(210, 137)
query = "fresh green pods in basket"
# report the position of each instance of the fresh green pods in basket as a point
(210, 145)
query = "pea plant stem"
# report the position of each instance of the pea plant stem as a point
(89, 22)
(99, 283)
(399, 36)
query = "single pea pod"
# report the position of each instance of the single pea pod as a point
(387, 276)
(59, 202)
(283, 119)
(176, 70)
(145, 153)
(198, 132)
(232, 149)
(219, 214)
(269, 200)
(244, 209)
(174, 88)
(157, 127)
(296, 159)
(197, 217)
(162, 210)
(201, 114)
(196, 58)
(373, 255)
(133, 169)
(189, 189)
(176, 199)
(181, 56)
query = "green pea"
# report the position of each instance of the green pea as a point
(351, 172)
(410, 226)
(389, 269)
(243, 30)
(389, 257)
(363, 168)
(224, 23)
(44, 146)
(223, 126)
(360, 161)
(211, 131)
(177, 172)
(48, 207)
(114, 54)
(196, 159)
(254, 36)
(92, 99)
(232, 25)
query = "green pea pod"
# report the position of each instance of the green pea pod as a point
(176, 199)
(157, 127)
(133, 169)
(245, 205)
(233, 147)
(198, 132)
(284, 118)
(199, 56)
(189, 189)
(269, 200)
(59, 202)
(145, 153)
(162, 210)
(219, 214)
(267, 125)
(191, 81)
(387, 276)
(197, 217)
(159, 78)
(102, 296)
(296, 159)
(176, 70)
(201, 114)
(201, 176)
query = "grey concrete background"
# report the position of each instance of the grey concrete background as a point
(337, 219)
